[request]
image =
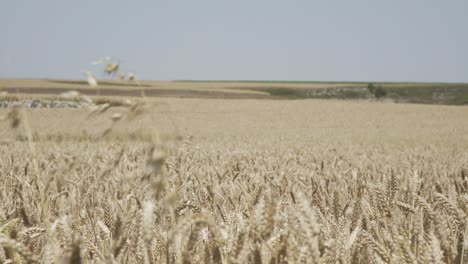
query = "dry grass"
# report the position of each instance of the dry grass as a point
(238, 181)
(421, 93)
(178, 85)
(41, 87)
(43, 84)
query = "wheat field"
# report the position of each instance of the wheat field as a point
(235, 181)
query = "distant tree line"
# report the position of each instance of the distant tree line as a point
(377, 90)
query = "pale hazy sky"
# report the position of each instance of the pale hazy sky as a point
(356, 40)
